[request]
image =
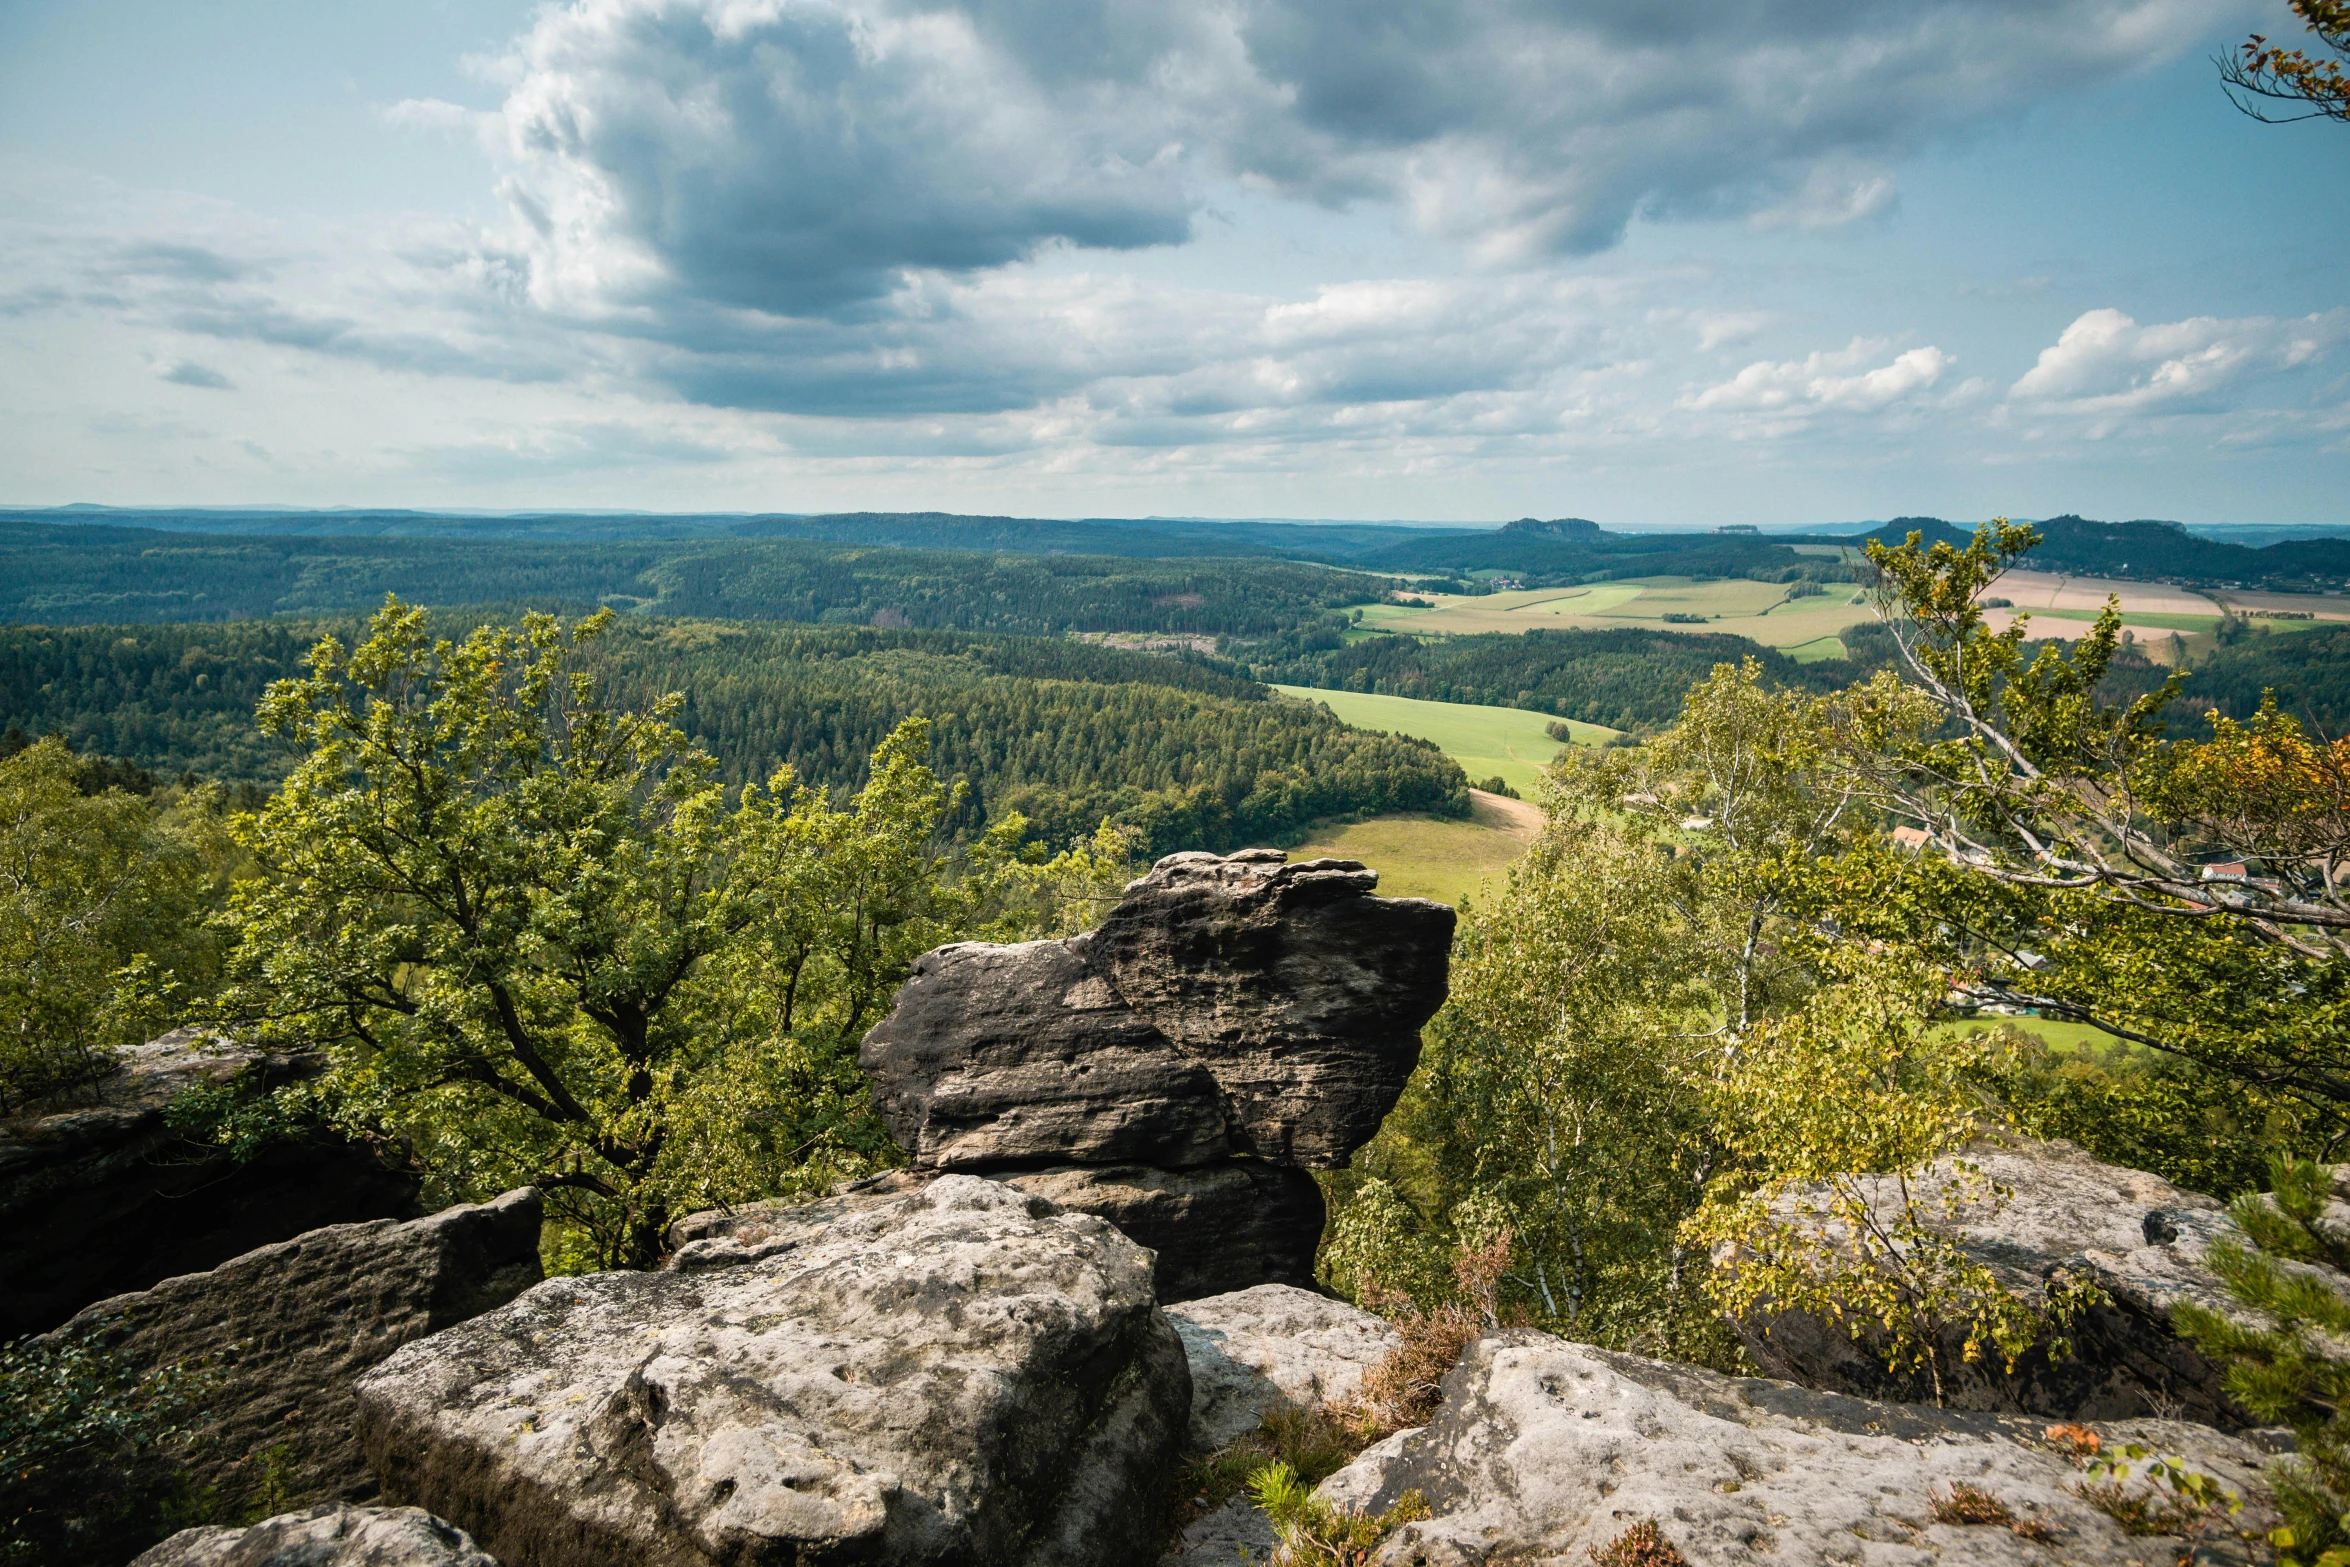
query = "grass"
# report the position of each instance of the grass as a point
(1487, 741)
(1422, 856)
(1760, 610)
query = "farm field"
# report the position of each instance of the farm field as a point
(2063, 608)
(1429, 856)
(1760, 610)
(1486, 741)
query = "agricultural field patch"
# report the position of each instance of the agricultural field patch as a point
(1763, 611)
(1505, 742)
(1430, 856)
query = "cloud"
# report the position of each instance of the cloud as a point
(1826, 382)
(186, 372)
(2107, 363)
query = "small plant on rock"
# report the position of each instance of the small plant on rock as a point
(1969, 1504)
(1642, 1545)
(1315, 1533)
(2170, 1495)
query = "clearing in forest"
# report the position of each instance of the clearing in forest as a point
(1507, 742)
(1429, 856)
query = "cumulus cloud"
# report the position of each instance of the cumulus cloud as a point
(1826, 382)
(2107, 363)
(798, 156)
(186, 372)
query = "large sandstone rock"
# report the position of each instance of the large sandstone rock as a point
(1256, 1349)
(330, 1535)
(956, 1373)
(101, 1196)
(1213, 1230)
(1227, 1005)
(287, 1329)
(2137, 1236)
(1545, 1450)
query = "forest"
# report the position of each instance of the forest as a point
(63, 575)
(1064, 732)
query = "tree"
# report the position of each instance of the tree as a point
(537, 942)
(101, 898)
(2261, 73)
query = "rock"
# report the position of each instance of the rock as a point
(101, 1197)
(2137, 1236)
(1255, 1349)
(288, 1329)
(998, 1055)
(1214, 1230)
(1302, 992)
(1227, 1005)
(331, 1535)
(957, 1373)
(1545, 1451)
(1234, 1535)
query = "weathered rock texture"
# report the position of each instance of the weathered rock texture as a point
(1234, 1021)
(1544, 1450)
(288, 1329)
(959, 1373)
(1256, 1349)
(103, 1197)
(330, 1535)
(2137, 1236)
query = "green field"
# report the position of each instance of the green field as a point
(1507, 742)
(1760, 610)
(1424, 856)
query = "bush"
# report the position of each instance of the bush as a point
(90, 1453)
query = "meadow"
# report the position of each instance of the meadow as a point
(1505, 742)
(1762, 611)
(1430, 857)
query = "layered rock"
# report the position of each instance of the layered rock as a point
(1234, 1022)
(330, 1535)
(954, 1373)
(101, 1197)
(284, 1332)
(2139, 1238)
(1549, 1451)
(1255, 1350)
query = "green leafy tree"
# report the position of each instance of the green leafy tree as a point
(537, 941)
(101, 899)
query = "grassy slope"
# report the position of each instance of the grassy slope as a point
(1485, 740)
(1425, 857)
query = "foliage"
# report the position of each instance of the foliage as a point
(1060, 732)
(1642, 1545)
(1567, 1092)
(2149, 1492)
(1859, 1082)
(88, 1451)
(537, 942)
(99, 896)
(1314, 1531)
(2282, 1347)
(2317, 86)
(1314, 1441)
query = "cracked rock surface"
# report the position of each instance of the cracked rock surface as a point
(959, 1373)
(326, 1536)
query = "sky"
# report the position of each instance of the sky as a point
(1769, 261)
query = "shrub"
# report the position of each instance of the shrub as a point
(1642, 1545)
(1312, 1531)
(90, 1453)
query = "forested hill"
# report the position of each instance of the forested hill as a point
(1064, 732)
(72, 574)
(2151, 551)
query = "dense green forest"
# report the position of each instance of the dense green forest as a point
(1062, 731)
(80, 574)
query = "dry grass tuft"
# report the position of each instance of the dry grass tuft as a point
(1642, 1545)
(1969, 1504)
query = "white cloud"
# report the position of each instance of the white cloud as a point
(2105, 363)
(1826, 381)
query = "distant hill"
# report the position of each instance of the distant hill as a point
(2149, 551)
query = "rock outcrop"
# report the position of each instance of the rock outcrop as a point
(2139, 1238)
(102, 1197)
(286, 1330)
(956, 1373)
(1256, 1349)
(1547, 1451)
(1234, 1022)
(331, 1535)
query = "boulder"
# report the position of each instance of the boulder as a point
(1253, 1350)
(1548, 1451)
(1228, 1004)
(955, 1373)
(101, 1196)
(2135, 1235)
(1213, 1230)
(1301, 991)
(330, 1535)
(286, 1330)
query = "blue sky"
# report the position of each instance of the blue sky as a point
(1774, 262)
